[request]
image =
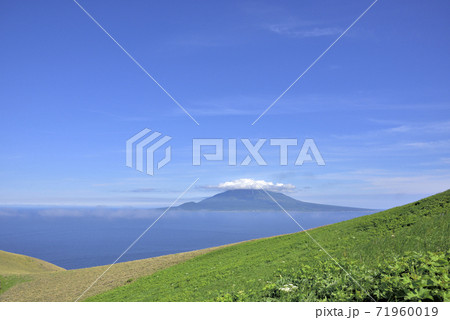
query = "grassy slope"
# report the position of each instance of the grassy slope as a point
(17, 268)
(421, 226)
(10, 281)
(15, 264)
(68, 285)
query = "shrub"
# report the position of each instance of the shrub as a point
(414, 277)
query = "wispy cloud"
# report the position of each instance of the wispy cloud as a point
(401, 128)
(302, 103)
(302, 32)
(391, 181)
(279, 19)
(143, 190)
(410, 184)
(412, 129)
(438, 145)
(98, 212)
(201, 41)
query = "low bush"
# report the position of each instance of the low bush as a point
(413, 277)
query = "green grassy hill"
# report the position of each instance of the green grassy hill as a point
(67, 285)
(17, 268)
(398, 254)
(374, 249)
(15, 264)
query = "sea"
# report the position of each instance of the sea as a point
(75, 238)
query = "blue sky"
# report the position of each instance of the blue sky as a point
(377, 104)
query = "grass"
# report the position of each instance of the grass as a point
(242, 272)
(412, 277)
(15, 264)
(7, 282)
(257, 270)
(68, 285)
(17, 268)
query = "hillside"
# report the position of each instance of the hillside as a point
(257, 201)
(16, 264)
(293, 268)
(17, 268)
(68, 285)
(259, 270)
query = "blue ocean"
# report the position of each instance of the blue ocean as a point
(85, 237)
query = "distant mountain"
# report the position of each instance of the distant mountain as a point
(258, 201)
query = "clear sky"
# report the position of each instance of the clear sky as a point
(377, 104)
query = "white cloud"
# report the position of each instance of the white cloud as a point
(254, 184)
(390, 182)
(401, 128)
(420, 184)
(294, 31)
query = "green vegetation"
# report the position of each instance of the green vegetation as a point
(67, 285)
(398, 254)
(15, 264)
(414, 277)
(17, 268)
(7, 282)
